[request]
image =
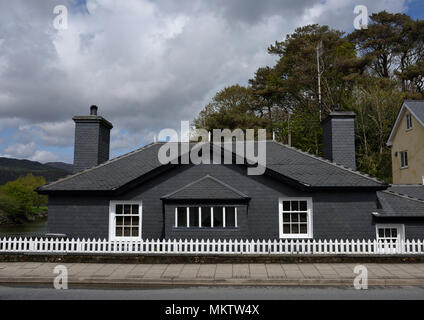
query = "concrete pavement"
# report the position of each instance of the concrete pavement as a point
(146, 275)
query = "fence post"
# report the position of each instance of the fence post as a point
(199, 245)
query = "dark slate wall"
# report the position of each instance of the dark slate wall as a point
(91, 144)
(86, 142)
(344, 215)
(339, 140)
(336, 215)
(327, 141)
(414, 229)
(104, 144)
(78, 216)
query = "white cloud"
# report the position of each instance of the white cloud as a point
(147, 64)
(44, 156)
(56, 133)
(124, 140)
(20, 150)
(29, 151)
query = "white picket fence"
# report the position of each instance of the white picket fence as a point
(211, 247)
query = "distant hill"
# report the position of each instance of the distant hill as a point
(61, 165)
(12, 169)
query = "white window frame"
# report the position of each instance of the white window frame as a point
(200, 217)
(112, 219)
(309, 218)
(402, 153)
(408, 122)
(400, 230)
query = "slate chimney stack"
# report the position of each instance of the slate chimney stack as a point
(92, 140)
(339, 138)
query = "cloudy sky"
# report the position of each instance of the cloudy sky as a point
(148, 64)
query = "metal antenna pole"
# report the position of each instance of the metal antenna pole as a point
(289, 129)
(319, 49)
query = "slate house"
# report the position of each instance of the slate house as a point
(300, 196)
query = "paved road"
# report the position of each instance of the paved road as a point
(215, 293)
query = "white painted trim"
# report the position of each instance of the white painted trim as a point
(112, 207)
(310, 215)
(400, 229)
(223, 217)
(212, 217)
(200, 216)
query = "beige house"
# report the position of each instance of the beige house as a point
(407, 143)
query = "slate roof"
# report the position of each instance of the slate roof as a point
(112, 174)
(284, 161)
(206, 188)
(413, 191)
(314, 171)
(397, 205)
(416, 108)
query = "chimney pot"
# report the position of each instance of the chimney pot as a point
(93, 110)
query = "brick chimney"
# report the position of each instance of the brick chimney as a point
(339, 138)
(92, 140)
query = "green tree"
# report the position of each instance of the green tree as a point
(393, 47)
(383, 42)
(297, 66)
(231, 108)
(376, 103)
(8, 207)
(22, 194)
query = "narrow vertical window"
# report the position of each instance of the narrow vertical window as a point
(182, 217)
(206, 217)
(404, 159)
(408, 122)
(230, 217)
(218, 217)
(194, 217)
